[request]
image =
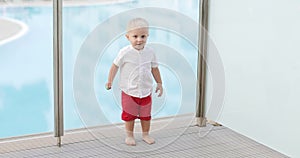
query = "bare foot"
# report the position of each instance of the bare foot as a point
(148, 139)
(130, 141)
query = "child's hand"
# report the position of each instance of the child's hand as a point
(159, 88)
(108, 86)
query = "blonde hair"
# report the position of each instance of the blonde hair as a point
(137, 23)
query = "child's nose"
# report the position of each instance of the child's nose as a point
(139, 39)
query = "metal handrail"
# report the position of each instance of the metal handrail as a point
(58, 70)
(201, 70)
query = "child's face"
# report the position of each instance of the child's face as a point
(138, 37)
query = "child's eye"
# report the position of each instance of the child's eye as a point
(143, 36)
(135, 36)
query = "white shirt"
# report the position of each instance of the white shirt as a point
(135, 70)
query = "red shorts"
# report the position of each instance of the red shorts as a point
(134, 108)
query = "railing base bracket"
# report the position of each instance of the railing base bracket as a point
(201, 121)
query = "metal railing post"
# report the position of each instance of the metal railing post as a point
(58, 70)
(201, 70)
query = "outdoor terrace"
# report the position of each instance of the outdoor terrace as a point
(175, 137)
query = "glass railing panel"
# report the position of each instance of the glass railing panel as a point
(177, 56)
(26, 78)
(258, 44)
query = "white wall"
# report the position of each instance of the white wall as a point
(259, 44)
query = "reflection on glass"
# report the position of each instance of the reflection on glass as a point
(79, 21)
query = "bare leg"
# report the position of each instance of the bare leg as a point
(145, 129)
(129, 126)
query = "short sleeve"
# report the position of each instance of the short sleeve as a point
(154, 62)
(119, 59)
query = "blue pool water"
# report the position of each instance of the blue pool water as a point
(26, 81)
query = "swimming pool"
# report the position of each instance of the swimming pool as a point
(26, 105)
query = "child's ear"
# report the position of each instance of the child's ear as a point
(127, 36)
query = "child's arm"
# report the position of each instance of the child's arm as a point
(112, 73)
(156, 75)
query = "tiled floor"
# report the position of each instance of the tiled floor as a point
(175, 137)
